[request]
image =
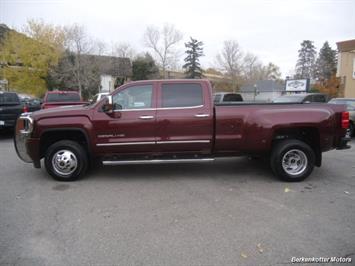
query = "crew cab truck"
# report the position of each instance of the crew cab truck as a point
(160, 121)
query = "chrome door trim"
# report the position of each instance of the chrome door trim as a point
(182, 141)
(152, 142)
(160, 108)
(178, 108)
(125, 143)
(142, 109)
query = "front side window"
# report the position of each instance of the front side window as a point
(182, 95)
(135, 97)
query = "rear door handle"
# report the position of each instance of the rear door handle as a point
(201, 115)
(146, 117)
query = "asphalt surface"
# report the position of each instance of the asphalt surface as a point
(230, 212)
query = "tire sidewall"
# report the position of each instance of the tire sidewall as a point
(73, 147)
(281, 149)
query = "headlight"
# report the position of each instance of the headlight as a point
(26, 123)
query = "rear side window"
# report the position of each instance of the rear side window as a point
(181, 95)
(63, 97)
(9, 98)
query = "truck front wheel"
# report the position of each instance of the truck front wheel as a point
(66, 160)
(292, 160)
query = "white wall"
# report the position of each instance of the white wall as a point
(107, 83)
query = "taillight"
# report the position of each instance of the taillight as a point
(25, 109)
(345, 120)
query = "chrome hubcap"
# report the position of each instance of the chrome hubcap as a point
(294, 162)
(64, 162)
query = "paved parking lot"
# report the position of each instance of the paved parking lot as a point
(231, 212)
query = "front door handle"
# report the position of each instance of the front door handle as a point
(146, 117)
(201, 115)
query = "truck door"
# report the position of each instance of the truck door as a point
(184, 117)
(132, 127)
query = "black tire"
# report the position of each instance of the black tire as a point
(351, 130)
(291, 149)
(77, 156)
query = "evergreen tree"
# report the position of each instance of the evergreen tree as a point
(192, 65)
(144, 68)
(306, 60)
(326, 63)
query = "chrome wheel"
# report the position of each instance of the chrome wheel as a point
(294, 162)
(64, 162)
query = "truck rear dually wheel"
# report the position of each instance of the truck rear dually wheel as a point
(66, 160)
(292, 160)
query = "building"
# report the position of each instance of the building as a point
(262, 90)
(114, 71)
(346, 68)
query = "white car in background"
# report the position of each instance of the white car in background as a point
(99, 96)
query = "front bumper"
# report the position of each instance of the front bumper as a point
(23, 130)
(343, 143)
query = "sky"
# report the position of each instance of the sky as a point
(270, 29)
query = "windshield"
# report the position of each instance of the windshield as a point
(63, 97)
(289, 99)
(9, 98)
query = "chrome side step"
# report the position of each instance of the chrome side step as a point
(157, 161)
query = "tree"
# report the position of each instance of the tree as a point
(27, 62)
(78, 43)
(326, 63)
(251, 68)
(306, 60)
(163, 42)
(123, 50)
(144, 67)
(272, 71)
(330, 86)
(192, 65)
(49, 34)
(230, 61)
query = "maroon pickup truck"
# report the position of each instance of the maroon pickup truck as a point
(160, 121)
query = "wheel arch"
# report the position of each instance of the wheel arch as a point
(309, 135)
(52, 135)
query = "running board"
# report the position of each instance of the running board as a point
(158, 161)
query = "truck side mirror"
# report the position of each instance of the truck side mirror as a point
(108, 106)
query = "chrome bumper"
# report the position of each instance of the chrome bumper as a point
(23, 130)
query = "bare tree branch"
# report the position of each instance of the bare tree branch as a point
(162, 42)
